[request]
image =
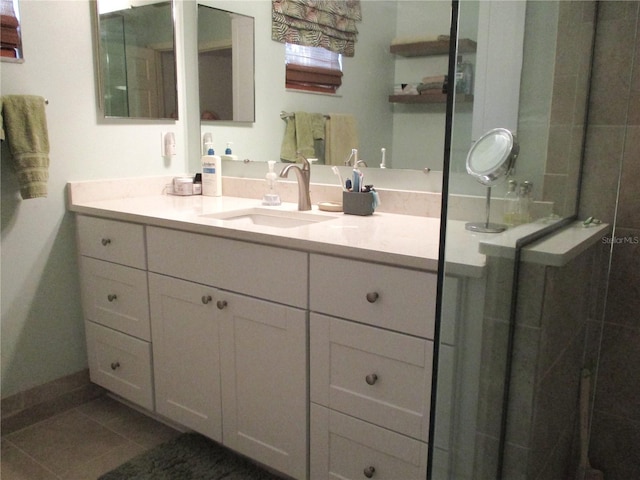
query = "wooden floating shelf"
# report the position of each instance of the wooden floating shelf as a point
(428, 98)
(435, 47)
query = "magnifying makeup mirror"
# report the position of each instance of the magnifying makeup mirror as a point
(489, 161)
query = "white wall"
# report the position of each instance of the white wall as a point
(42, 330)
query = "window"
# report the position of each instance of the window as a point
(312, 68)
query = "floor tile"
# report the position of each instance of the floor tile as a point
(128, 422)
(105, 463)
(66, 441)
(16, 465)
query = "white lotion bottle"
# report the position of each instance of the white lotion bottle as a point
(211, 173)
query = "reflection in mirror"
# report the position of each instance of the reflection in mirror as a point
(225, 65)
(11, 38)
(137, 65)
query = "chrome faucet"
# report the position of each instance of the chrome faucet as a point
(303, 175)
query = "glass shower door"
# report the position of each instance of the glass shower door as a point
(491, 419)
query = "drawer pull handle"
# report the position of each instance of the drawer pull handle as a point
(372, 297)
(115, 365)
(206, 299)
(369, 471)
(221, 304)
(371, 379)
(112, 297)
(105, 241)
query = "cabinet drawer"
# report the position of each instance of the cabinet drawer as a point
(115, 296)
(343, 447)
(379, 376)
(262, 271)
(111, 240)
(120, 363)
(390, 297)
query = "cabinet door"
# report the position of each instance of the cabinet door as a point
(186, 360)
(264, 382)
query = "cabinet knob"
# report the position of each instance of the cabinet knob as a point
(372, 297)
(115, 365)
(105, 241)
(206, 299)
(369, 471)
(221, 304)
(371, 379)
(112, 297)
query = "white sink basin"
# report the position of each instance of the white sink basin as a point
(269, 218)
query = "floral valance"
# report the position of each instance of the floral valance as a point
(330, 24)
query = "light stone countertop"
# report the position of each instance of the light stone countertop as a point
(402, 240)
(390, 238)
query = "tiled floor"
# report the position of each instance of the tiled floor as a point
(80, 444)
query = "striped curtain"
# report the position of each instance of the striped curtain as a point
(330, 24)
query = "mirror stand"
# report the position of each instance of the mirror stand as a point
(486, 226)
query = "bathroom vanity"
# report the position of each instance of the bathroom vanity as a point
(303, 340)
(308, 348)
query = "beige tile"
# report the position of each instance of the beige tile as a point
(618, 385)
(623, 301)
(66, 441)
(559, 149)
(49, 407)
(612, 67)
(105, 463)
(563, 104)
(16, 465)
(12, 404)
(601, 169)
(56, 388)
(614, 446)
(128, 422)
(629, 201)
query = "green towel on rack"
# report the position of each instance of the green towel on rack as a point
(300, 134)
(24, 125)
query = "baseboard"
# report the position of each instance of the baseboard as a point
(44, 401)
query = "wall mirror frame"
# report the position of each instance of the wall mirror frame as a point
(136, 58)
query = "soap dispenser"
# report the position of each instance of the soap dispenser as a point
(271, 196)
(227, 153)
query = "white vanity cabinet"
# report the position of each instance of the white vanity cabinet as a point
(186, 354)
(371, 356)
(228, 364)
(116, 307)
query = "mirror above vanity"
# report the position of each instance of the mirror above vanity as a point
(411, 133)
(137, 59)
(225, 65)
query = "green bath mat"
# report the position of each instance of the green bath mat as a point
(189, 457)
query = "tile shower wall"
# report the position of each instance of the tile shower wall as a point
(547, 361)
(611, 191)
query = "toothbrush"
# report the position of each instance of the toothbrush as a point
(337, 172)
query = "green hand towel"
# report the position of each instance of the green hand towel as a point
(289, 147)
(25, 129)
(304, 134)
